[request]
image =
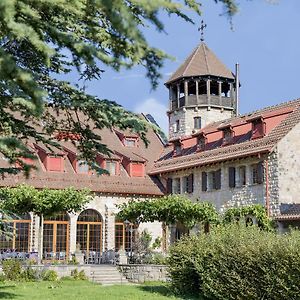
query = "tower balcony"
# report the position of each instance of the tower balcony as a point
(202, 100)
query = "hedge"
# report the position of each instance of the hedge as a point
(237, 262)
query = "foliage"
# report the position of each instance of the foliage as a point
(258, 211)
(169, 209)
(42, 40)
(73, 261)
(78, 275)
(25, 199)
(12, 269)
(157, 243)
(50, 275)
(237, 262)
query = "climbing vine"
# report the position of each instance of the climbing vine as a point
(258, 211)
(170, 210)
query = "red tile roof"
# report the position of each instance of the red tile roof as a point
(241, 145)
(122, 184)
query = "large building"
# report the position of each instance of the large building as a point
(213, 154)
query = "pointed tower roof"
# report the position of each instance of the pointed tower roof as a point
(201, 62)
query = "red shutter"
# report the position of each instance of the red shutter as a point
(190, 183)
(204, 181)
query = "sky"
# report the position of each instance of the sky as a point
(265, 41)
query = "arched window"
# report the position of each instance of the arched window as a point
(89, 231)
(124, 236)
(18, 234)
(56, 237)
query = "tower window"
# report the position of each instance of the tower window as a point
(176, 126)
(197, 122)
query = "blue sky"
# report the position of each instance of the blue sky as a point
(265, 41)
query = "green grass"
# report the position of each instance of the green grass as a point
(83, 290)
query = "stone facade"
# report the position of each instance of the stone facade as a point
(105, 205)
(288, 152)
(186, 116)
(225, 197)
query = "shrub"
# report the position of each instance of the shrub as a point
(237, 262)
(78, 275)
(49, 275)
(12, 269)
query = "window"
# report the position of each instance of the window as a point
(123, 238)
(241, 176)
(82, 167)
(214, 180)
(258, 129)
(111, 167)
(227, 136)
(257, 173)
(176, 186)
(201, 143)
(197, 122)
(176, 126)
(177, 148)
(137, 169)
(169, 185)
(231, 173)
(129, 142)
(204, 181)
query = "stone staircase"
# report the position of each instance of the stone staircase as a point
(107, 275)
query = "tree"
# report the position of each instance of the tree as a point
(171, 209)
(25, 199)
(43, 39)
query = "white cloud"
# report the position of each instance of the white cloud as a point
(156, 109)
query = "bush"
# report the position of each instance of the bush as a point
(78, 275)
(237, 262)
(12, 269)
(49, 275)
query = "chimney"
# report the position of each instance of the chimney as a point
(237, 87)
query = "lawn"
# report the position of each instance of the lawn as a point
(77, 290)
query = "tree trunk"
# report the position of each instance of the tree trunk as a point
(164, 237)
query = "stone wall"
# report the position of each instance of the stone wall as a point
(142, 273)
(288, 151)
(226, 197)
(186, 117)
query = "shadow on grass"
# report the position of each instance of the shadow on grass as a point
(164, 290)
(7, 295)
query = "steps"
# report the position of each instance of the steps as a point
(107, 275)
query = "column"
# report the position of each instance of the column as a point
(220, 93)
(197, 91)
(178, 95)
(208, 92)
(73, 233)
(186, 92)
(109, 230)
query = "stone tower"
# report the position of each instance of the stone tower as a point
(201, 91)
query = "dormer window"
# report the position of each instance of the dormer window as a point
(227, 136)
(82, 167)
(111, 167)
(201, 143)
(258, 128)
(177, 148)
(130, 142)
(55, 163)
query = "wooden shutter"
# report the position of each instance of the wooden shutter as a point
(204, 181)
(260, 172)
(231, 177)
(169, 185)
(190, 183)
(218, 179)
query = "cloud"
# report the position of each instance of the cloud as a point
(156, 109)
